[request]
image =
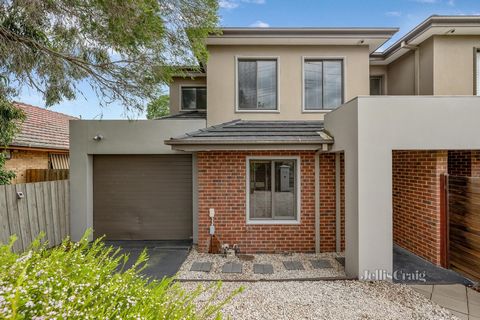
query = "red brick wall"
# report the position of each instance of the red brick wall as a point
(460, 162)
(416, 201)
(327, 202)
(26, 159)
(475, 163)
(221, 185)
(342, 201)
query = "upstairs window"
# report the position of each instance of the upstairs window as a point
(323, 84)
(193, 98)
(257, 85)
(376, 85)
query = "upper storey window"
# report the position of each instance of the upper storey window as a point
(257, 84)
(193, 98)
(323, 84)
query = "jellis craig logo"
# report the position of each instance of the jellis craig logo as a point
(398, 275)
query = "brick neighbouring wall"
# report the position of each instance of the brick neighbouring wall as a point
(26, 159)
(416, 201)
(221, 185)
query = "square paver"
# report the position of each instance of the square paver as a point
(473, 302)
(201, 266)
(293, 265)
(232, 267)
(341, 260)
(321, 264)
(424, 289)
(262, 268)
(452, 297)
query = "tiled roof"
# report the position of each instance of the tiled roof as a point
(43, 128)
(258, 132)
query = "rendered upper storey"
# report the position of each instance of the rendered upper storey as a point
(303, 73)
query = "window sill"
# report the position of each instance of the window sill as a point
(318, 111)
(273, 222)
(257, 111)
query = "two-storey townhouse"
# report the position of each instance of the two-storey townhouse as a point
(294, 140)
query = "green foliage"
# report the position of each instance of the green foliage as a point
(80, 281)
(10, 119)
(159, 107)
(125, 50)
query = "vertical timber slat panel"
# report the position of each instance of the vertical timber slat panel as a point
(464, 225)
(11, 197)
(4, 227)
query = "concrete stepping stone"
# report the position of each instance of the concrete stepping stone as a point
(341, 260)
(201, 266)
(321, 264)
(232, 267)
(293, 265)
(262, 268)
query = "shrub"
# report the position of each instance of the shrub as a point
(86, 280)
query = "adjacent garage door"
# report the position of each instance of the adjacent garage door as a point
(142, 197)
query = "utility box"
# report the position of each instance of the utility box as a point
(284, 178)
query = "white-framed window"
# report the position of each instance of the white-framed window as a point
(323, 83)
(273, 190)
(256, 84)
(193, 98)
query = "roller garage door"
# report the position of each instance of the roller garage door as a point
(142, 197)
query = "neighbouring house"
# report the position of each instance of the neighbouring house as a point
(42, 142)
(295, 140)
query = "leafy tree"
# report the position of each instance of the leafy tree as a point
(10, 118)
(125, 50)
(159, 107)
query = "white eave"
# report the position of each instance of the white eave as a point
(371, 37)
(434, 25)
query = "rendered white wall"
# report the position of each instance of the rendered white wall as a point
(368, 129)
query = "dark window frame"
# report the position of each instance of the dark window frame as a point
(196, 87)
(239, 109)
(304, 87)
(274, 219)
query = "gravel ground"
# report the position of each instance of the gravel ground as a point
(279, 271)
(325, 300)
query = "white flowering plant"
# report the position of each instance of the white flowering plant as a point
(87, 280)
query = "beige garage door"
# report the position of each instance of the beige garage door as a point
(142, 197)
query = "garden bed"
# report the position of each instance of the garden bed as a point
(247, 261)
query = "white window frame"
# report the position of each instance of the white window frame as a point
(237, 105)
(298, 197)
(180, 96)
(344, 77)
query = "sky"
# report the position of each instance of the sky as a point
(404, 14)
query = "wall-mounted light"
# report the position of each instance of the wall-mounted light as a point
(98, 137)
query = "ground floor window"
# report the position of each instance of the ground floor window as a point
(272, 190)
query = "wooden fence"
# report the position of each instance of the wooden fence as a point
(26, 209)
(39, 175)
(464, 225)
